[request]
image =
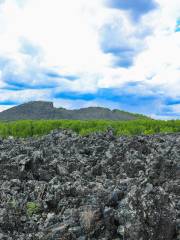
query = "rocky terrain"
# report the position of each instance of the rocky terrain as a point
(63, 186)
(46, 110)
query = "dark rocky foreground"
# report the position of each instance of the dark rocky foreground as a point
(63, 186)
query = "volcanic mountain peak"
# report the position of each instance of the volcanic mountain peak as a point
(46, 110)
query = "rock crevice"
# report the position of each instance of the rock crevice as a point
(65, 186)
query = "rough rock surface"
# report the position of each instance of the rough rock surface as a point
(64, 186)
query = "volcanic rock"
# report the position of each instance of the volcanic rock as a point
(100, 186)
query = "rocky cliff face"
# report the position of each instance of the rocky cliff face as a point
(45, 110)
(63, 186)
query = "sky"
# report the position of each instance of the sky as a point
(120, 54)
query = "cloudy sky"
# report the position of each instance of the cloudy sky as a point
(115, 53)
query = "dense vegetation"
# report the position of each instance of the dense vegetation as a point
(29, 128)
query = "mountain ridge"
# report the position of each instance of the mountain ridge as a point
(46, 110)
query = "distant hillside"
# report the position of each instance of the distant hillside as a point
(46, 110)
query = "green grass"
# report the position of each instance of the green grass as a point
(30, 128)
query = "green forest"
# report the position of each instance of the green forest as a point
(31, 128)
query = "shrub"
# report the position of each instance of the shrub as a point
(29, 128)
(32, 208)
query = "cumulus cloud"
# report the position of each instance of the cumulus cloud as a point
(123, 40)
(136, 8)
(82, 53)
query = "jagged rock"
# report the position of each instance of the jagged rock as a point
(63, 186)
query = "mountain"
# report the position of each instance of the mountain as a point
(46, 110)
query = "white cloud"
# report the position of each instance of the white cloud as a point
(68, 34)
(61, 29)
(24, 95)
(4, 107)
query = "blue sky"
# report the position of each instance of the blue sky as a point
(113, 53)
